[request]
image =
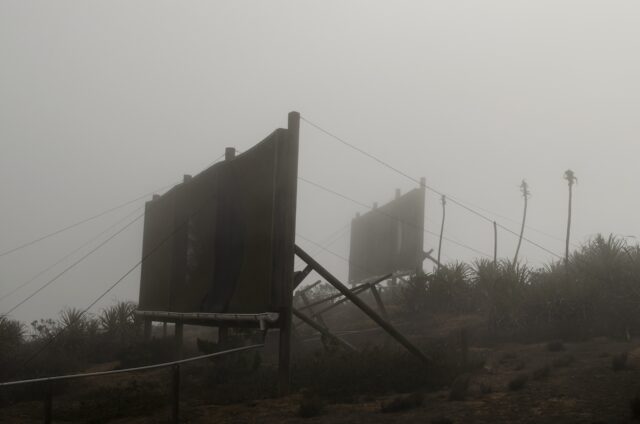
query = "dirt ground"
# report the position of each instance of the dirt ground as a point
(574, 385)
(581, 387)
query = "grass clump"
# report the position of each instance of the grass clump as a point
(403, 403)
(541, 373)
(459, 388)
(555, 346)
(563, 361)
(619, 361)
(311, 405)
(518, 382)
(441, 420)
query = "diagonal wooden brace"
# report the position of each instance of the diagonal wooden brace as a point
(360, 304)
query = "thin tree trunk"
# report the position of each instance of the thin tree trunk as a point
(444, 202)
(524, 218)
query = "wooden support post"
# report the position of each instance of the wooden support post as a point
(444, 203)
(310, 286)
(317, 317)
(229, 153)
(179, 334)
(223, 335)
(285, 222)
(431, 258)
(175, 394)
(164, 330)
(495, 243)
(360, 304)
(322, 330)
(48, 403)
(355, 291)
(381, 308)
(147, 329)
(299, 276)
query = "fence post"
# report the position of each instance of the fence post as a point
(178, 336)
(48, 403)
(175, 394)
(148, 323)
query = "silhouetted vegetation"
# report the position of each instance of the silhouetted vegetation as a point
(596, 294)
(518, 382)
(311, 405)
(555, 346)
(403, 403)
(619, 361)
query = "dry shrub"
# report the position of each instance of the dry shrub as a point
(403, 403)
(518, 382)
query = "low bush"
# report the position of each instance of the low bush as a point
(311, 405)
(555, 346)
(563, 361)
(518, 382)
(619, 361)
(459, 388)
(541, 373)
(403, 403)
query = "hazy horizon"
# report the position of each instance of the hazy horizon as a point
(103, 102)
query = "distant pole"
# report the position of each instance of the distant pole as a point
(444, 202)
(495, 243)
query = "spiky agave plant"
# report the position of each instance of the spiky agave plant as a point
(502, 290)
(449, 287)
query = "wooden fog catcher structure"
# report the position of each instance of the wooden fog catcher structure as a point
(218, 249)
(389, 239)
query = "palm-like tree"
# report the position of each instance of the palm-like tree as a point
(524, 189)
(571, 179)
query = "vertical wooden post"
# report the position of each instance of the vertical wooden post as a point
(147, 328)
(287, 179)
(175, 394)
(444, 202)
(318, 316)
(229, 153)
(495, 243)
(420, 245)
(381, 308)
(223, 335)
(179, 333)
(164, 330)
(48, 403)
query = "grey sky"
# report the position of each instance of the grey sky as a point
(103, 101)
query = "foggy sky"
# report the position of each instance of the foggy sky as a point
(101, 102)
